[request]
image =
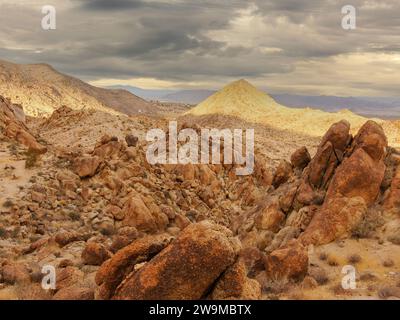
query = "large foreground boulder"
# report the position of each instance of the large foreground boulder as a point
(187, 269)
(116, 269)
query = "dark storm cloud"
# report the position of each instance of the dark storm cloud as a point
(192, 40)
(111, 4)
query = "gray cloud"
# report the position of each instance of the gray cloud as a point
(203, 41)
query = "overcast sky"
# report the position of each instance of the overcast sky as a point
(293, 46)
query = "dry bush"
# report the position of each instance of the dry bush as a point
(367, 276)
(323, 256)
(388, 263)
(8, 203)
(75, 216)
(3, 232)
(371, 221)
(32, 157)
(13, 148)
(354, 259)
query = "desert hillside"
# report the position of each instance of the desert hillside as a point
(77, 193)
(242, 100)
(41, 90)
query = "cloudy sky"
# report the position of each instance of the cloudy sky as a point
(293, 46)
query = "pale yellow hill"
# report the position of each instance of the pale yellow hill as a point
(241, 99)
(40, 89)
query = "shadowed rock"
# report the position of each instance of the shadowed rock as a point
(187, 269)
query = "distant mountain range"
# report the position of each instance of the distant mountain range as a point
(380, 107)
(41, 89)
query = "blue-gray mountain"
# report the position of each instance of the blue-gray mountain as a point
(381, 107)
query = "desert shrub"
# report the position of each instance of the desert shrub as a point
(388, 263)
(3, 232)
(354, 259)
(13, 148)
(16, 232)
(8, 203)
(107, 231)
(367, 276)
(371, 221)
(323, 256)
(32, 157)
(321, 277)
(75, 216)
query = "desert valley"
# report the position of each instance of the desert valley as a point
(78, 196)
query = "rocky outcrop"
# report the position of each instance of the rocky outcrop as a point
(12, 124)
(318, 173)
(355, 185)
(362, 172)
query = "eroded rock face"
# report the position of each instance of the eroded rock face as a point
(337, 217)
(235, 285)
(358, 176)
(270, 218)
(362, 173)
(289, 263)
(86, 166)
(95, 254)
(148, 218)
(186, 269)
(354, 186)
(300, 158)
(317, 175)
(116, 269)
(392, 201)
(282, 174)
(12, 122)
(107, 149)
